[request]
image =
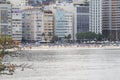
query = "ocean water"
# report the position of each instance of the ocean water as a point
(84, 64)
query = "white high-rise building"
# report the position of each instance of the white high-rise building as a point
(23, 4)
(32, 24)
(16, 23)
(78, 1)
(15, 2)
(5, 18)
(28, 2)
(95, 10)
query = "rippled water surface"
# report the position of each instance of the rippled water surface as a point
(88, 64)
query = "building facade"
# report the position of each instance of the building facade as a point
(48, 26)
(63, 24)
(5, 18)
(111, 19)
(81, 18)
(95, 10)
(32, 24)
(78, 1)
(67, 1)
(16, 23)
(24, 2)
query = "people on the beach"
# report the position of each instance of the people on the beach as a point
(11, 68)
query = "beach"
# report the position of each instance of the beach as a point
(65, 64)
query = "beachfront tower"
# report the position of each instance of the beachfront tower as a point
(111, 19)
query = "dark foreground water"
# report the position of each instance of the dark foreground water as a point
(95, 64)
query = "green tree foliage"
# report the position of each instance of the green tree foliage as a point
(5, 40)
(100, 37)
(55, 39)
(80, 35)
(49, 34)
(5, 43)
(89, 36)
(43, 34)
(69, 37)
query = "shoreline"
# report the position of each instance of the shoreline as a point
(66, 48)
(80, 48)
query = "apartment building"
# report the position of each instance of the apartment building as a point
(63, 24)
(95, 17)
(5, 18)
(48, 26)
(32, 24)
(16, 23)
(111, 19)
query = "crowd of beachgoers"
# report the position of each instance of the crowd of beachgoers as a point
(66, 46)
(49, 46)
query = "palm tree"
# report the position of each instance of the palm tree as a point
(45, 39)
(5, 42)
(49, 34)
(65, 37)
(54, 38)
(43, 35)
(69, 37)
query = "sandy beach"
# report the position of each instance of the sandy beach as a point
(65, 64)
